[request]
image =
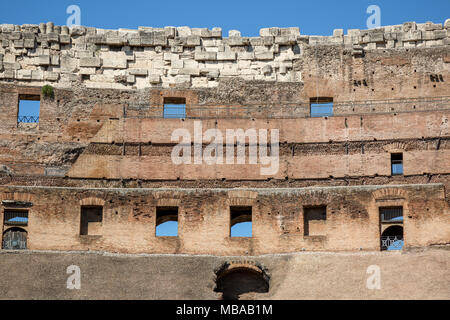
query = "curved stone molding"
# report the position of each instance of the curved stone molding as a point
(390, 193)
(92, 202)
(233, 265)
(16, 196)
(168, 202)
(242, 194)
(396, 147)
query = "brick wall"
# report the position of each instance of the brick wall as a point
(128, 223)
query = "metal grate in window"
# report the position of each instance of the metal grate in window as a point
(16, 218)
(394, 214)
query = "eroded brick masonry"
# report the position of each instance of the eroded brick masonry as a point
(102, 146)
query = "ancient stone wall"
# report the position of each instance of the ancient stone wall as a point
(102, 139)
(204, 221)
(195, 57)
(419, 274)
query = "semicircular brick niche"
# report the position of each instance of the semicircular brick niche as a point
(241, 280)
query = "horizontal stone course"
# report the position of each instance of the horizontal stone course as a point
(172, 54)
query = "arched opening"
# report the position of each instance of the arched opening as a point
(241, 284)
(241, 229)
(392, 238)
(166, 221)
(241, 221)
(14, 239)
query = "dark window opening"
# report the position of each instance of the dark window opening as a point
(241, 221)
(391, 214)
(321, 107)
(314, 220)
(14, 239)
(392, 238)
(241, 284)
(15, 218)
(167, 221)
(29, 109)
(91, 220)
(174, 108)
(397, 163)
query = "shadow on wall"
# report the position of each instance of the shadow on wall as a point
(241, 283)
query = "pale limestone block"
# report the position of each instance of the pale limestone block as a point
(90, 62)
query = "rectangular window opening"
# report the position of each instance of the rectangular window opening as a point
(397, 163)
(321, 107)
(91, 220)
(29, 108)
(241, 221)
(174, 108)
(15, 218)
(391, 214)
(314, 219)
(391, 225)
(167, 221)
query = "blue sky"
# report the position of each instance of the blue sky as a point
(313, 17)
(170, 228)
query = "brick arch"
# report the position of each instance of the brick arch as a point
(168, 202)
(231, 265)
(15, 228)
(17, 196)
(242, 194)
(390, 193)
(237, 278)
(91, 201)
(242, 197)
(241, 202)
(396, 147)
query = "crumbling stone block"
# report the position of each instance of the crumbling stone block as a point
(43, 60)
(264, 55)
(205, 56)
(90, 62)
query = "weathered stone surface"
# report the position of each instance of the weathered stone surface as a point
(69, 64)
(264, 55)
(23, 74)
(154, 78)
(51, 76)
(138, 72)
(115, 63)
(90, 62)
(205, 56)
(227, 55)
(234, 33)
(166, 51)
(338, 32)
(43, 60)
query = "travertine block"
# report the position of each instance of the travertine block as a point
(90, 62)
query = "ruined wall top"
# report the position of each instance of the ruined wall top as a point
(172, 56)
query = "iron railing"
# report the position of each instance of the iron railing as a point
(27, 119)
(15, 240)
(392, 243)
(16, 218)
(391, 214)
(15, 244)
